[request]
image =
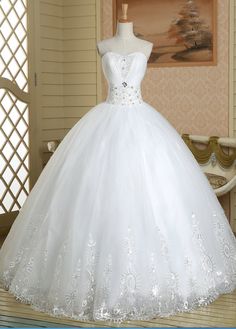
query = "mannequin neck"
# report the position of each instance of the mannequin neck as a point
(125, 30)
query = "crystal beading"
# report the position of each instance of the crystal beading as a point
(124, 94)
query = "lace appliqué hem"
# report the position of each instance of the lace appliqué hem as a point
(80, 297)
(147, 309)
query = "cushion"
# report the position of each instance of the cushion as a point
(216, 181)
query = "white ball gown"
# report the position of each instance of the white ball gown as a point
(121, 224)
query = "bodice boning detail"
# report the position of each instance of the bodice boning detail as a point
(124, 74)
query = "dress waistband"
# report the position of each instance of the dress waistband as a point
(124, 94)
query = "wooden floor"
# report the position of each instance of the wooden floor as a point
(221, 313)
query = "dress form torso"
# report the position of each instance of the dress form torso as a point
(124, 42)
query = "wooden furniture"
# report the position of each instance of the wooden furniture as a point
(217, 158)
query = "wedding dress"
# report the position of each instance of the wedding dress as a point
(122, 223)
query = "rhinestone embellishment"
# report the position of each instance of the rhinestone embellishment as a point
(124, 95)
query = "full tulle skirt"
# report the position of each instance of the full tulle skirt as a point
(121, 224)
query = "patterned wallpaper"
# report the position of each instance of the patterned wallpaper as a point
(193, 99)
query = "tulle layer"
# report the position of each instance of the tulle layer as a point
(121, 224)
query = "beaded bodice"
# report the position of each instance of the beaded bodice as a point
(124, 74)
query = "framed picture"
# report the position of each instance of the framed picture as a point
(183, 32)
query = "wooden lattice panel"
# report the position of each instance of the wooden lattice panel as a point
(14, 113)
(14, 152)
(13, 42)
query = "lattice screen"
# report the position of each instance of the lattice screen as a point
(13, 42)
(14, 113)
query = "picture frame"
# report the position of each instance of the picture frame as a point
(183, 32)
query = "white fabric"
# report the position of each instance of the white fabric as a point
(122, 223)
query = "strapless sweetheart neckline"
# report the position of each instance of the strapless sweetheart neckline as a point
(124, 74)
(124, 55)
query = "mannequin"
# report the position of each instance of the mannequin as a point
(124, 41)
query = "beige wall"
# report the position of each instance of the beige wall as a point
(67, 65)
(194, 99)
(232, 98)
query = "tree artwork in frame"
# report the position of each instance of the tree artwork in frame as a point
(183, 32)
